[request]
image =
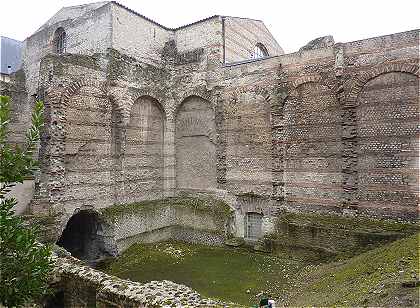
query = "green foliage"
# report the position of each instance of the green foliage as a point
(25, 264)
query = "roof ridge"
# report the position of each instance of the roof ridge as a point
(160, 25)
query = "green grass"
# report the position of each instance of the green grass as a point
(373, 278)
(223, 273)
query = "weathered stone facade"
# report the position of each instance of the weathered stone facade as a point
(151, 114)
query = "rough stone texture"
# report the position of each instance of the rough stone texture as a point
(142, 162)
(89, 150)
(195, 145)
(23, 193)
(86, 32)
(248, 142)
(320, 42)
(137, 111)
(312, 145)
(330, 129)
(83, 286)
(165, 220)
(335, 235)
(20, 108)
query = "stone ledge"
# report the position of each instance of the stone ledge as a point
(113, 291)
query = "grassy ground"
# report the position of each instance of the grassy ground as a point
(373, 278)
(223, 273)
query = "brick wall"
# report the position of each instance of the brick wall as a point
(330, 129)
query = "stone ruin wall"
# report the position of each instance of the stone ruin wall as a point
(162, 223)
(77, 285)
(344, 126)
(325, 130)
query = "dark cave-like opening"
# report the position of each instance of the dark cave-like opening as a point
(55, 300)
(83, 237)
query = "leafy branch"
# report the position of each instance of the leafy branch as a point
(25, 264)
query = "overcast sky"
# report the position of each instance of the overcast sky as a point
(292, 22)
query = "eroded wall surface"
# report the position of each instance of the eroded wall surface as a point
(78, 285)
(90, 154)
(195, 145)
(142, 158)
(326, 130)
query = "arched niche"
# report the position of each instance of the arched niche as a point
(90, 151)
(248, 142)
(85, 237)
(312, 147)
(143, 158)
(387, 123)
(195, 143)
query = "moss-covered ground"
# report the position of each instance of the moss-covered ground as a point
(373, 278)
(229, 274)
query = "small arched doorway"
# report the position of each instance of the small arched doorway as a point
(83, 236)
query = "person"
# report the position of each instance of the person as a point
(267, 302)
(264, 301)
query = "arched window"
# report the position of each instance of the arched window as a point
(60, 41)
(260, 51)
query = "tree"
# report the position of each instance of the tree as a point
(25, 264)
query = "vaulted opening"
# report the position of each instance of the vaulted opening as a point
(83, 236)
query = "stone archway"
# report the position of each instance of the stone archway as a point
(84, 237)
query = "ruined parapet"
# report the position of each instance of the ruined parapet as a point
(328, 235)
(320, 42)
(77, 285)
(194, 220)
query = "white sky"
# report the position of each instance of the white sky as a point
(292, 22)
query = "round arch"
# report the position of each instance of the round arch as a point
(60, 41)
(195, 144)
(85, 236)
(360, 81)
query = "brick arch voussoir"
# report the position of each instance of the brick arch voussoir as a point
(154, 95)
(72, 89)
(204, 95)
(300, 81)
(362, 79)
(265, 93)
(306, 79)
